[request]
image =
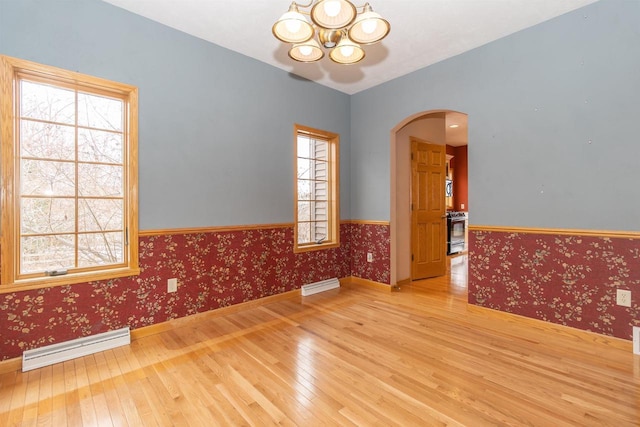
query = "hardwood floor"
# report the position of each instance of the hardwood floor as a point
(351, 356)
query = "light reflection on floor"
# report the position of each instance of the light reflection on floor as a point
(305, 372)
(454, 282)
(459, 272)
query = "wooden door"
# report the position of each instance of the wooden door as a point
(428, 213)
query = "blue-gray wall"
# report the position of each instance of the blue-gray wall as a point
(216, 127)
(552, 117)
(553, 123)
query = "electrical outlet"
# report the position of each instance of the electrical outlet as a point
(623, 297)
(369, 257)
(636, 340)
(172, 285)
(461, 205)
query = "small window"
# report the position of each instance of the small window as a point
(69, 145)
(316, 189)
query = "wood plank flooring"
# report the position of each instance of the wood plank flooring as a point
(351, 356)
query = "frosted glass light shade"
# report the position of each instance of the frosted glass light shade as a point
(292, 27)
(333, 14)
(369, 27)
(308, 51)
(346, 52)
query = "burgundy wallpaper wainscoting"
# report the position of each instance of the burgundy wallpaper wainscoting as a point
(373, 238)
(214, 269)
(564, 279)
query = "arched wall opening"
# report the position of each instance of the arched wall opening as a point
(431, 125)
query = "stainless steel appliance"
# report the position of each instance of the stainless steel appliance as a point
(456, 231)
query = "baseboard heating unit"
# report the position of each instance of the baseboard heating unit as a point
(56, 353)
(323, 285)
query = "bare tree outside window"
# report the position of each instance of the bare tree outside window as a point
(312, 189)
(316, 189)
(72, 173)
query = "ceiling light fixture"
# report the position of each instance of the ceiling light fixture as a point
(336, 25)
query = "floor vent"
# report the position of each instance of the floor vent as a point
(44, 356)
(324, 285)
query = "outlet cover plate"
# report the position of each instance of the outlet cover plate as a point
(369, 257)
(623, 297)
(172, 285)
(636, 340)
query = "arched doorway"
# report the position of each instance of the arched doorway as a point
(435, 126)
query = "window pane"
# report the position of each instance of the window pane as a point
(99, 180)
(48, 103)
(46, 140)
(100, 215)
(47, 178)
(321, 152)
(320, 212)
(304, 146)
(304, 232)
(321, 191)
(99, 112)
(46, 253)
(100, 249)
(304, 211)
(304, 168)
(321, 169)
(304, 189)
(41, 216)
(99, 146)
(320, 230)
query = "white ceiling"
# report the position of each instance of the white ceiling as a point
(456, 129)
(423, 32)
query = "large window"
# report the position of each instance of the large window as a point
(316, 189)
(69, 177)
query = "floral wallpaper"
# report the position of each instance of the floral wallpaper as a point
(214, 269)
(564, 279)
(374, 239)
(569, 280)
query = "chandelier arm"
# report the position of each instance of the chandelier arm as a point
(361, 7)
(313, 1)
(306, 5)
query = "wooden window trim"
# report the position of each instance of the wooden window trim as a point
(333, 238)
(10, 71)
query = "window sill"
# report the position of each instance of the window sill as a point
(316, 247)
(71, 279)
